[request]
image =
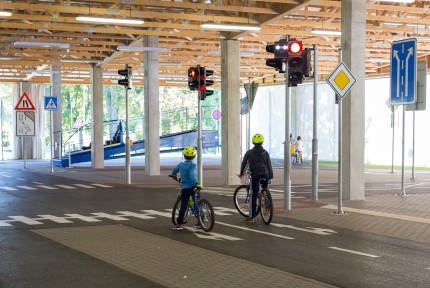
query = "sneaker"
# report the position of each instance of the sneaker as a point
(177, 227)
(249, 220)
(197, 226)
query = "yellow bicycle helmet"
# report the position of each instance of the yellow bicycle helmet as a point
(190, 152)
(257, 139)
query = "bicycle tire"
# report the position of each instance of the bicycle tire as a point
(175, 212)
(206, 215)
(266, 205)
(242, 200)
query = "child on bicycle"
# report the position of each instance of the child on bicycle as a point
(189, 180)
(260, 167)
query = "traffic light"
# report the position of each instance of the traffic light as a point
(193, 78)
(127, 73)
(204, 83)
(281, 50)
(277, 62)
(299, 62)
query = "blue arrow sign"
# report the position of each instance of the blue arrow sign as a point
(403, 74)
(51, 103)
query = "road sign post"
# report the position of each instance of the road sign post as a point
(341, 80)
(403, 84)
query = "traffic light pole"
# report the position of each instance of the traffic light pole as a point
(287, 143)
(127, 141)
(199, 133)
(315, 130)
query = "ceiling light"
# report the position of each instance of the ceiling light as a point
(231, 27)
(5, 13)
(376, 59)
(9, 58)
(42, 44)
(326, 32)
(40, 71)
(81, 61)
(175, 64)
(398, 1)
(242, 54)
(140, 48)
(109, 20)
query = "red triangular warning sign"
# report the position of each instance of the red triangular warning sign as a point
(24, 103)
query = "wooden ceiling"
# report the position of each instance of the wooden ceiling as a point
(177, 23)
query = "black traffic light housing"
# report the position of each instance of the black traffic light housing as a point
(193, 78)
(127, 81)
(276, 62)
(204, 83)
(297, 62)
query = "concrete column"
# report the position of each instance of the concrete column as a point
(58, 114)
(230, 106)
(151, 107)
(353, 55)
(97, 149)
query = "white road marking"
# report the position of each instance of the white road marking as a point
(7, 176)
(109, 216)
(20, 179)
(354, 252)
(47, 187)
(211, 235)
(84, 186)
(4, 224)
(256, 231)
(8, 188)
(26, 220)
(102, 185)
(65, 186)
(319, 231)
(83, 218)
(137, 215)
(55, 219)
(27, 187)
(382, 214)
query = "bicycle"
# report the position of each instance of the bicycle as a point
(201, 208)
(242, 198)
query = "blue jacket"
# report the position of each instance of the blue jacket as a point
(187, 169)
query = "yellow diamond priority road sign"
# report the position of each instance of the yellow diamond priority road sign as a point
(341, 80)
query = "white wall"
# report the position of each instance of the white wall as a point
(268, 118)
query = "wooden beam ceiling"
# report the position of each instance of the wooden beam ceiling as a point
(177, 24)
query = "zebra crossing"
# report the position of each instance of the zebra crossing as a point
(40, 186)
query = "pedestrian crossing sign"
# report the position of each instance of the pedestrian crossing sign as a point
(51, 103)
(24, 103)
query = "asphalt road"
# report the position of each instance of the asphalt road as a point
(31, 201)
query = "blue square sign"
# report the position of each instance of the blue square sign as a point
(403, 75)
(51, 103)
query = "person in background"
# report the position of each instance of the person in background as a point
(299, 149)
(260, 167)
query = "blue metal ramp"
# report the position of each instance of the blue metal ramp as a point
(168, 143)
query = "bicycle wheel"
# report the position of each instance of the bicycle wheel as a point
(175, 212)
(242, 200)
(266, 205)
(206, 215)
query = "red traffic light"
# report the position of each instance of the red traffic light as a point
(295, 47)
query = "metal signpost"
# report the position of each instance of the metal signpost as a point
(51, 104)
(403, 83)
(341, 80)
(25, 121)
